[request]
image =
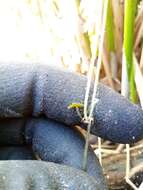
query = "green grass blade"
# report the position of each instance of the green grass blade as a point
(130, 10)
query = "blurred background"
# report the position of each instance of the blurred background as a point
(56, 31)
(64, 32)
(40, 31)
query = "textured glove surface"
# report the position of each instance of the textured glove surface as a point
(25, 139)
(32, 90)
(19, 175)
(28, 91)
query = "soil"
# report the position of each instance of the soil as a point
(114, 165)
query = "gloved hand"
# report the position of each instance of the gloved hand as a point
(33, 175)
(30, 95)
(29, 138)
(34, 90)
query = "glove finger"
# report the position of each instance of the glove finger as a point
(40, 89)
(52, 141)
(58, 143)
(15, 175)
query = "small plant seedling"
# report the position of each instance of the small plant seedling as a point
(75, 105)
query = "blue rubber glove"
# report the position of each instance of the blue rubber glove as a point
(32, 138)
(34, 101)
(33, 175)
(34, 90)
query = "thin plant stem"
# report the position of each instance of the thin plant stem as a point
(89, 77)
(128, 81)
(85, 155)
(110, 38)
(93, 102)
(100, 151)
(127, 160)
(99, 61)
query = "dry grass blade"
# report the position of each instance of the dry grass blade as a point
(138, 79)
(131, 184)
(139, 17)
(141, 60)
(139, 36)
(107, 68)
(118, 13)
